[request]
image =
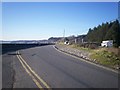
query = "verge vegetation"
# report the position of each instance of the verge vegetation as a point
(109, 57)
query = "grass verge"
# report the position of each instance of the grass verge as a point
(104, 56)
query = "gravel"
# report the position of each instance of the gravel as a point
(79, 53)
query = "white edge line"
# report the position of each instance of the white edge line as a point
(87, 61)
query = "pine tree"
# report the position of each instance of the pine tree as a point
(106, 31)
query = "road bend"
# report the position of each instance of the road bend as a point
(45, 67)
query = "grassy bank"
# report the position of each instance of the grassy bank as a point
(109, 57)
(105, 57)
(80, 48)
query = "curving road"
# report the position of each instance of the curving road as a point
(45, 66)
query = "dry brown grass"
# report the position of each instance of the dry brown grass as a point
(114, 50)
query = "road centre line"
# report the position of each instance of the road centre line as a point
(33, 78)
(33, 72)
(40, 79)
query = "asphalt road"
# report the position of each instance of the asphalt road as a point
(44, 66)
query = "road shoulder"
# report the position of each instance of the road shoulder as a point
(81, 56)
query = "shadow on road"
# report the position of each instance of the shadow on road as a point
(8, 71)
(14, 47)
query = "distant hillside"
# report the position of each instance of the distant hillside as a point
(54, 39)
(106, 31)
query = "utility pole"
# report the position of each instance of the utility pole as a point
(64, 35)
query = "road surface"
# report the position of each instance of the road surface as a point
(46, 67)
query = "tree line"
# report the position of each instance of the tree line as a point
(106, 31)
